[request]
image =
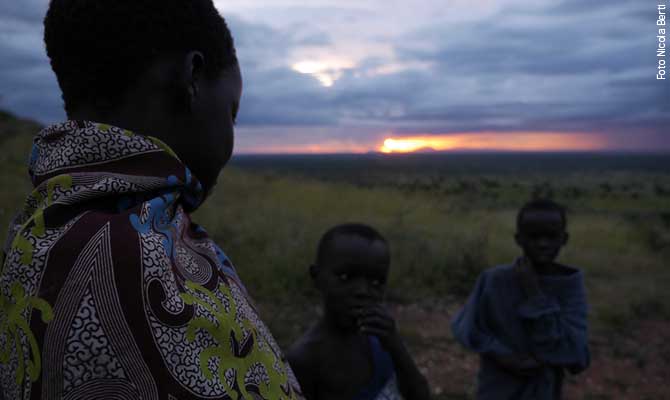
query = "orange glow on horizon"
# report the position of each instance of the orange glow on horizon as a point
(476, 141)
(328, 147)
(507, 141)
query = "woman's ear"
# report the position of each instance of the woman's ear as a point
(193, 71)
(184, 79)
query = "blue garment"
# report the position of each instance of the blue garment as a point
(383, 371)
(498, 320)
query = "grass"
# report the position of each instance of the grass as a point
(446, 219)
(439, 242)
(444, 225)
(14, 179)
(443, 231)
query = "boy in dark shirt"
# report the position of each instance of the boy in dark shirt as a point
(528, 320)
(354, 351)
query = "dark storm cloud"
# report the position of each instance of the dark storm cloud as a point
(273, 93)
(534, 42)
(16, 57)
(568, 65)
(28, 11)
(27, 85)
(280, 96)
(32, 91)
(578, 73)
(602, 72)
(579, 7)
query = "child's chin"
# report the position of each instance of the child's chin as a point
(543, 261)
(346, 321)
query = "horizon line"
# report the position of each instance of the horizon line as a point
(461, 152)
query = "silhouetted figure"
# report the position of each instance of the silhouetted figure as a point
(528, 320)
(354, 351)
(109, 291)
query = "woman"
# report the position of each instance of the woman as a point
(108, 290)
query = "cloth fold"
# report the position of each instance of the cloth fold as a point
(109, 290)
(498, 320)
(383, 384)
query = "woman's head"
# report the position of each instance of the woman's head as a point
(165, 68)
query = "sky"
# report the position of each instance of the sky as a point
(324, 76)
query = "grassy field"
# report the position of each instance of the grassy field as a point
(446, 225)
(446, 218)
(444, 233)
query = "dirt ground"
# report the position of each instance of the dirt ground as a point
(626, 365)
(629, 364)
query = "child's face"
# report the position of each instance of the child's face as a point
(352, 277)
(541, 235)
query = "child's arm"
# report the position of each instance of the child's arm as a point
(558, 331)
(471, 328)
(519, 364)
(411, 383)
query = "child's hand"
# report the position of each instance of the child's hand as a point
(520, 365)
(376, 321)
(527, 277)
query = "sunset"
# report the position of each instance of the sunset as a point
(334, 199)
(389, 143)
(338, 77)
(508, 141)
(326, 71)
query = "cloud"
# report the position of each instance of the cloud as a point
(531, 69)
(26, 11)
(27, 85)
(395, 66)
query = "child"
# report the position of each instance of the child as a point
(354, 351)
(528, 320)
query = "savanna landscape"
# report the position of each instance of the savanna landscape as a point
(447, 217)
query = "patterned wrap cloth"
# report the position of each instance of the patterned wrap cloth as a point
(108, 290)
(383, 385)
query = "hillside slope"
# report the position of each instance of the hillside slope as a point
(16, 136)
(11, 125)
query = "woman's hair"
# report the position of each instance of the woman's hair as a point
(100, 48)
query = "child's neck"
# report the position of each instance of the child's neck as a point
(551, 268)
